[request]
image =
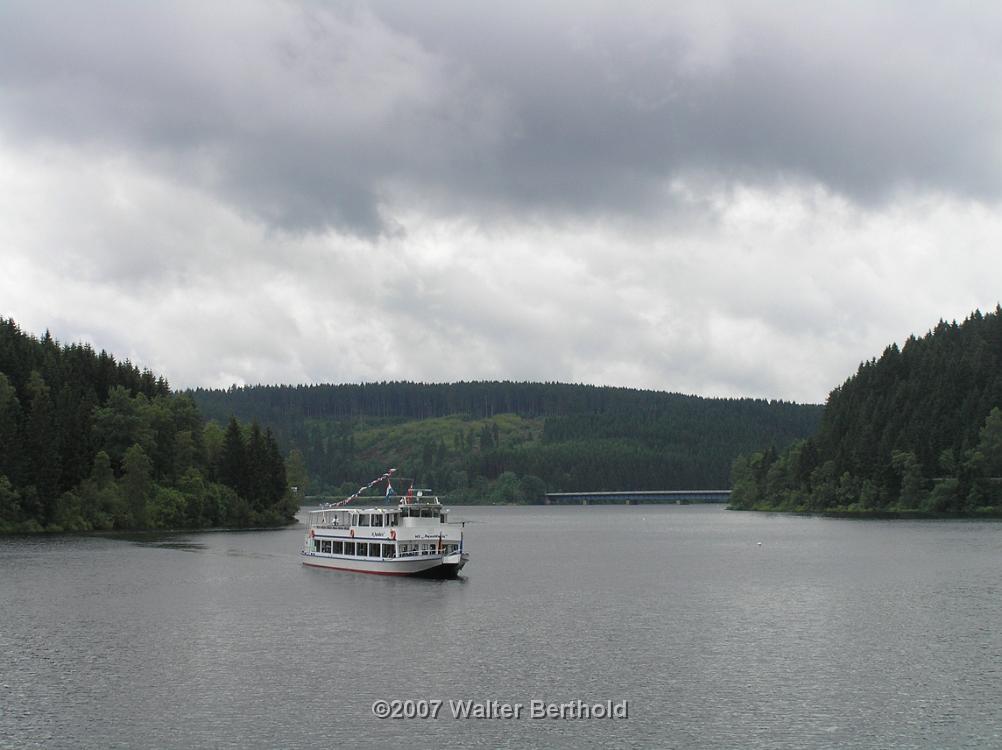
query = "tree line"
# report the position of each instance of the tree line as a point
(87, 442)
(917, 430)
(511, 442)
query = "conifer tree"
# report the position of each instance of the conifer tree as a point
(11, 448)
(42, 444)
(255, 484)
(136, 483)
(233, 459)
(278, 484)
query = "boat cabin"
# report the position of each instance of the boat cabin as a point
(405, 515)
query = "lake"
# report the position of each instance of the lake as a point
(718, 628)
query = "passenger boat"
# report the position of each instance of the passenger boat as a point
(413, 538)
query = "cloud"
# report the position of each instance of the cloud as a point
(316, 115)
(718, 198)
(296, 115)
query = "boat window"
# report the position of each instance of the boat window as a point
(338, 548)
(349, 548)
(388, 550)
(325, 545)
(377, 519)
(363, 519)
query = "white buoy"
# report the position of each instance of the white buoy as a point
(760, 544)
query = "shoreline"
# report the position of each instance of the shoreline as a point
(995, 514)
(141, 532)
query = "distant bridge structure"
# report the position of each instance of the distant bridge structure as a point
(635, 497)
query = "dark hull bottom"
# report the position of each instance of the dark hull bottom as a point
(439, 572)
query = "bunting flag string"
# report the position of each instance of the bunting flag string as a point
(347, 500)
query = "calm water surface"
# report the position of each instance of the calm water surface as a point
(831, 633)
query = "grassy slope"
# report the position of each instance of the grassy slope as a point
(405, 440)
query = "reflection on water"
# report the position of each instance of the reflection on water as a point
(830, 633)
(171, 544)
(160, 539)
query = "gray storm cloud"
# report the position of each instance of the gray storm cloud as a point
(323, 115)
(721, 198)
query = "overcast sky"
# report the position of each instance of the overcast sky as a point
(727, 199)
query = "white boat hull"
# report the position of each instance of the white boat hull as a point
(433, 566)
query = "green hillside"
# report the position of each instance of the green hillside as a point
(917, 430)
(87, 442)
(510, 442)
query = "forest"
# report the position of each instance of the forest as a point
(90, 443)
(917, 431)
(508, 442)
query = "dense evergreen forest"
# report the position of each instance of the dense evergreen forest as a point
(509, 442)
(87, 442)
(918, 430)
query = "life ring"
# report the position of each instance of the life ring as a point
(352, 532)
(393, 534)
(311, 533)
